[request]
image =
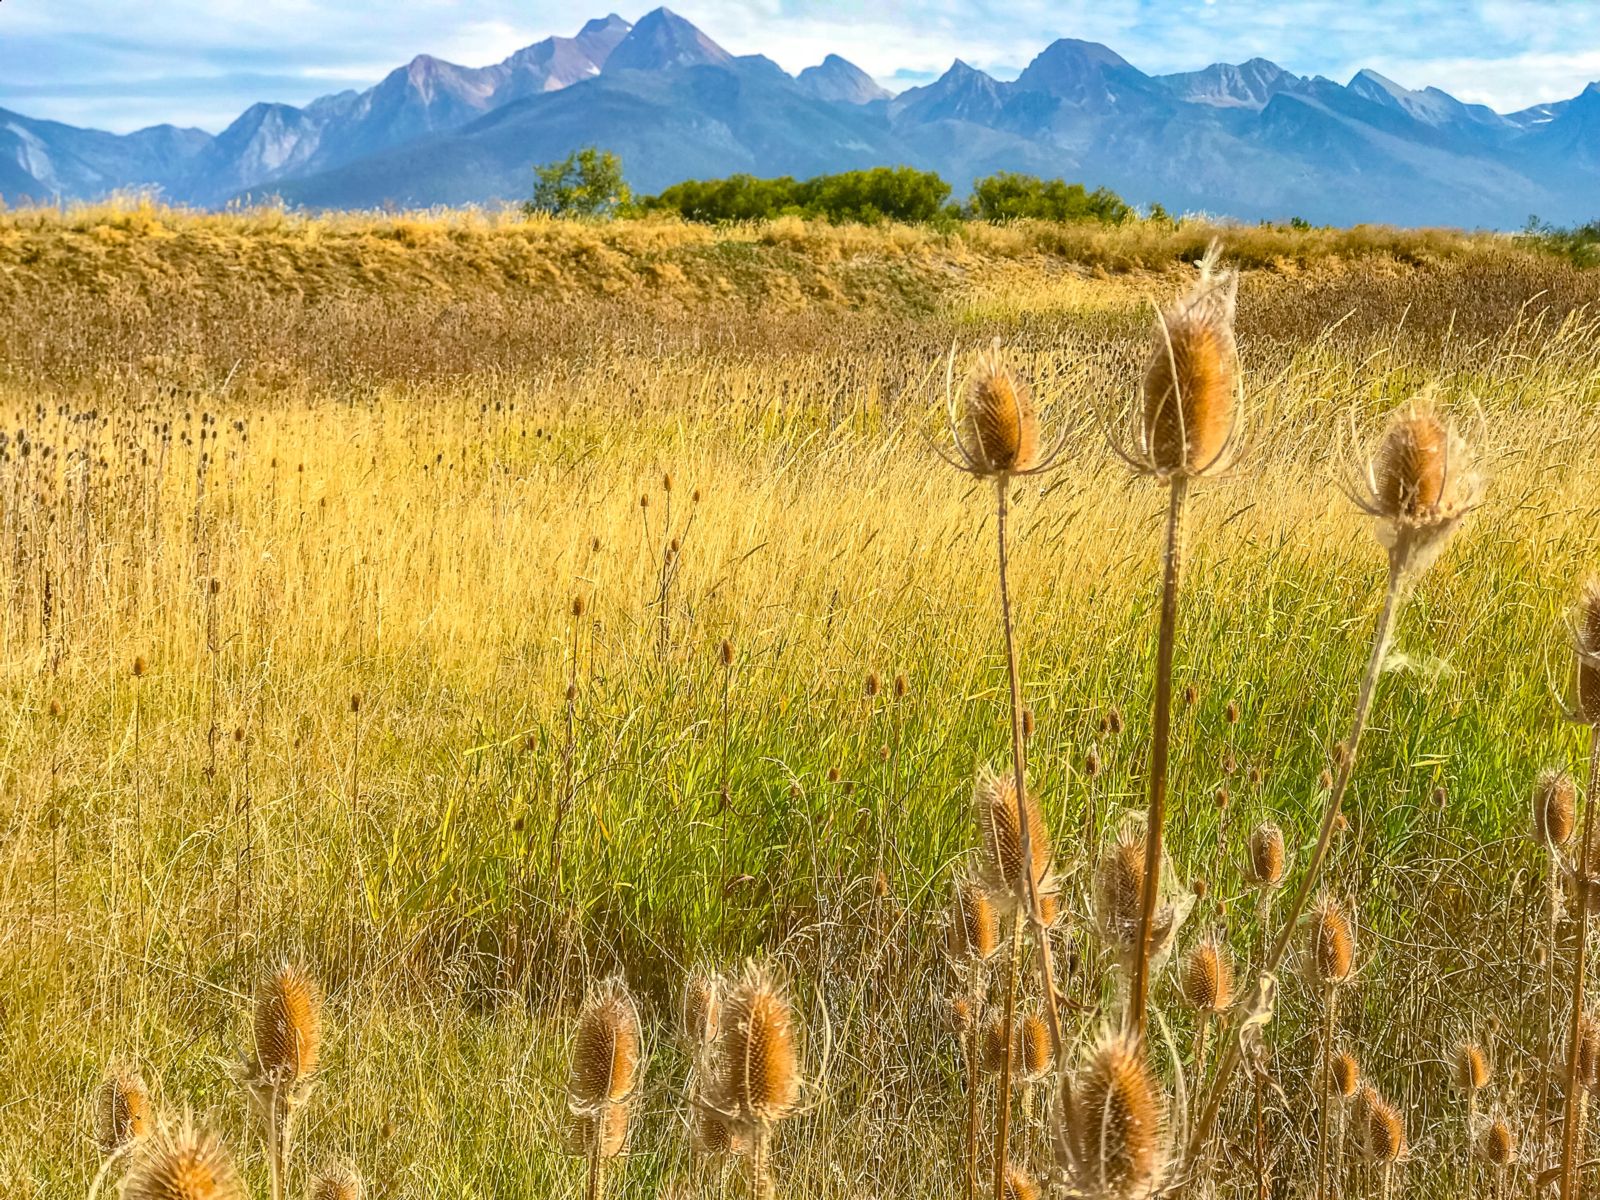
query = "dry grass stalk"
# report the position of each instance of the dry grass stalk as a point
(121, 1110)
(182, 1164)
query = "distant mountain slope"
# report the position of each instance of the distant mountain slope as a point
(1248, 140)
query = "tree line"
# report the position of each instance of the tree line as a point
(590, 183)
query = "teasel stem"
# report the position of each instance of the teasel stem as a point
(1382, 636)
(1330, 997)
(980, 990)
(1571, 1118)
(1003, 1135)
(596, 1163)
(1041, 935)
(275, 1147)
(1203, 1026)
(1160, 746)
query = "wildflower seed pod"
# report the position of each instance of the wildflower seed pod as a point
(1588, 1054)
(1420, 481)
(1119, 882)
(1191, 380)
(1208, 977)
(1332, 952)
(1586, 639)
(760, 1074)
(606, 1050)
(999, 433)
(1555, 807)
(288, 1027)
(1115, 1117)
(1383, 1132)
(1346, 1074)
(1019, 1185)
(701, 1011)
(1267, 855)
(1000, 838)
(973, 934)
(1471, 1067)
(993, 1049)
(185, 1164)
(1497, 1145)
(602, 1131)
(121, 1110)
(1034, 1051)
(338, 1182)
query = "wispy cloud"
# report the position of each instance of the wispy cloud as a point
(106, 63)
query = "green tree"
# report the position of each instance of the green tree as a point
(1009, 196)
(588, 183)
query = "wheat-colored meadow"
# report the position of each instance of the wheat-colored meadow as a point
(366, 588)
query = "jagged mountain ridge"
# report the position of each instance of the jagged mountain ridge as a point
(1250, 140)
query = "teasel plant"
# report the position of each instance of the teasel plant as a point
(279, 1074)
(1470, 1073)
(1207, 982)
(1555, 807)
(182, 1162)
(1496, 1148)
(1116, 1120)
(758, 1083)
(1585, 710)
(1186, 427)
(1014, 866)
(121, 1119)
(699, 1018)
(1419, 483)
(1383, 1136)
(607, 1059)
(1329, 962)
(972, 942)
(337, 1181)
(1345, 1073)
(996, 438)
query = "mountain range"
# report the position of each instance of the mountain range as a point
(1248, 140)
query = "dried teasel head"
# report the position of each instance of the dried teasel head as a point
(1497, 1145)
(759, 1070)
(702, 1008)
(1555, 808)
(1267, 856)
(606, 1050)
(288, 1026)
(1035, 1051)
(1189, 419)
(997, 435)
(1115, 1115)
(121, 1110)
(601, 1131)
(1471, 1067)
(1118, 883)
(1586, 648)
(713, 1134)
(182, 1164)
(1331, 954)
(1588, 1054)
(973, 932)
(1019, 1185)
(1382, 1130)
(1346, 1073)
(338, 1181)
(1208, 977)
(992, 1050)
(1419, 482)
(1000, 836)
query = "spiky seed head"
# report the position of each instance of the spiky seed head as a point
(337, 1182)
(1116, 1122)
(1034, 1048)
(1332, 947)
(1471, 1067)
(1000, 835)
(1119, 880)
(1555, 807)
(1420, 481)
(994, 1046)
(602, 1131)
(1346, 1073)
(1587, 645)
(1191, 381)
(1267, 857)
(288, 1026)
(185, 1164)
(1208, 977)
(701, 1010)
(713, 1135)
(1019, 1185)
(121, 1110)
(1588, 1054)
(1383, 1132)
(1497, 1145)
(961, 1016)
(606, 1049)
(1050, 907)
(760, 1075)
(973, 934)
(999, 434)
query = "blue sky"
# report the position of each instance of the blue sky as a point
(118, 64)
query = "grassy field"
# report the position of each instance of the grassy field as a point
(296, 516)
